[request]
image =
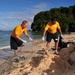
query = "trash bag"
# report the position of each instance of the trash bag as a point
(61, 43)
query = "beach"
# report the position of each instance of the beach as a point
(35, 62)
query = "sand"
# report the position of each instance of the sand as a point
(36, 63)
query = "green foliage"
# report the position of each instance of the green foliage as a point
(65, 16)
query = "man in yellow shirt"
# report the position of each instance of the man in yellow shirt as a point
(15, 39)
(52, 27)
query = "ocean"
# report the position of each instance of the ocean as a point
(5, 37)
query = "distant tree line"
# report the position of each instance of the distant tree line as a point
(65, 16)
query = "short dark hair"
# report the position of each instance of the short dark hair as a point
(53, 19)
(24, 22)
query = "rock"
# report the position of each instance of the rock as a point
(72, 56)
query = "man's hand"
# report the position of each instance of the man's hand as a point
(43, 38)
(24, 41)
(61, 36)
(30, 39)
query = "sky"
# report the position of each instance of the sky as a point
(13, 12)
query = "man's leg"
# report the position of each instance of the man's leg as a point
(56, 47)
(47, 48)
(22, 49)
(21, 45)
(48, 39)
(15, 52)
(22, 52)
(13, 45)
(55, 37)
(16, 56)
(47, 45)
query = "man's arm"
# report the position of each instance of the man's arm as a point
(44, 33)
(59, 28)
(45, 29)
(27, 35)
(60, 31)
(24, 41)
(19, 37)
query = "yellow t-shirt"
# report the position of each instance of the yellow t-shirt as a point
(18, 31)
(52, 28)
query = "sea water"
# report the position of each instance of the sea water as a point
(5, 37)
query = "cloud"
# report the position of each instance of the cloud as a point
(8, 20)
(41, 6)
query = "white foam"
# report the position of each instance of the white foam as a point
(5, 47)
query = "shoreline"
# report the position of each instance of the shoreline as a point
(5, 47)
(8, 46)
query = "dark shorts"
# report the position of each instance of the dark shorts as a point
(15, 43)
(52, 36)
